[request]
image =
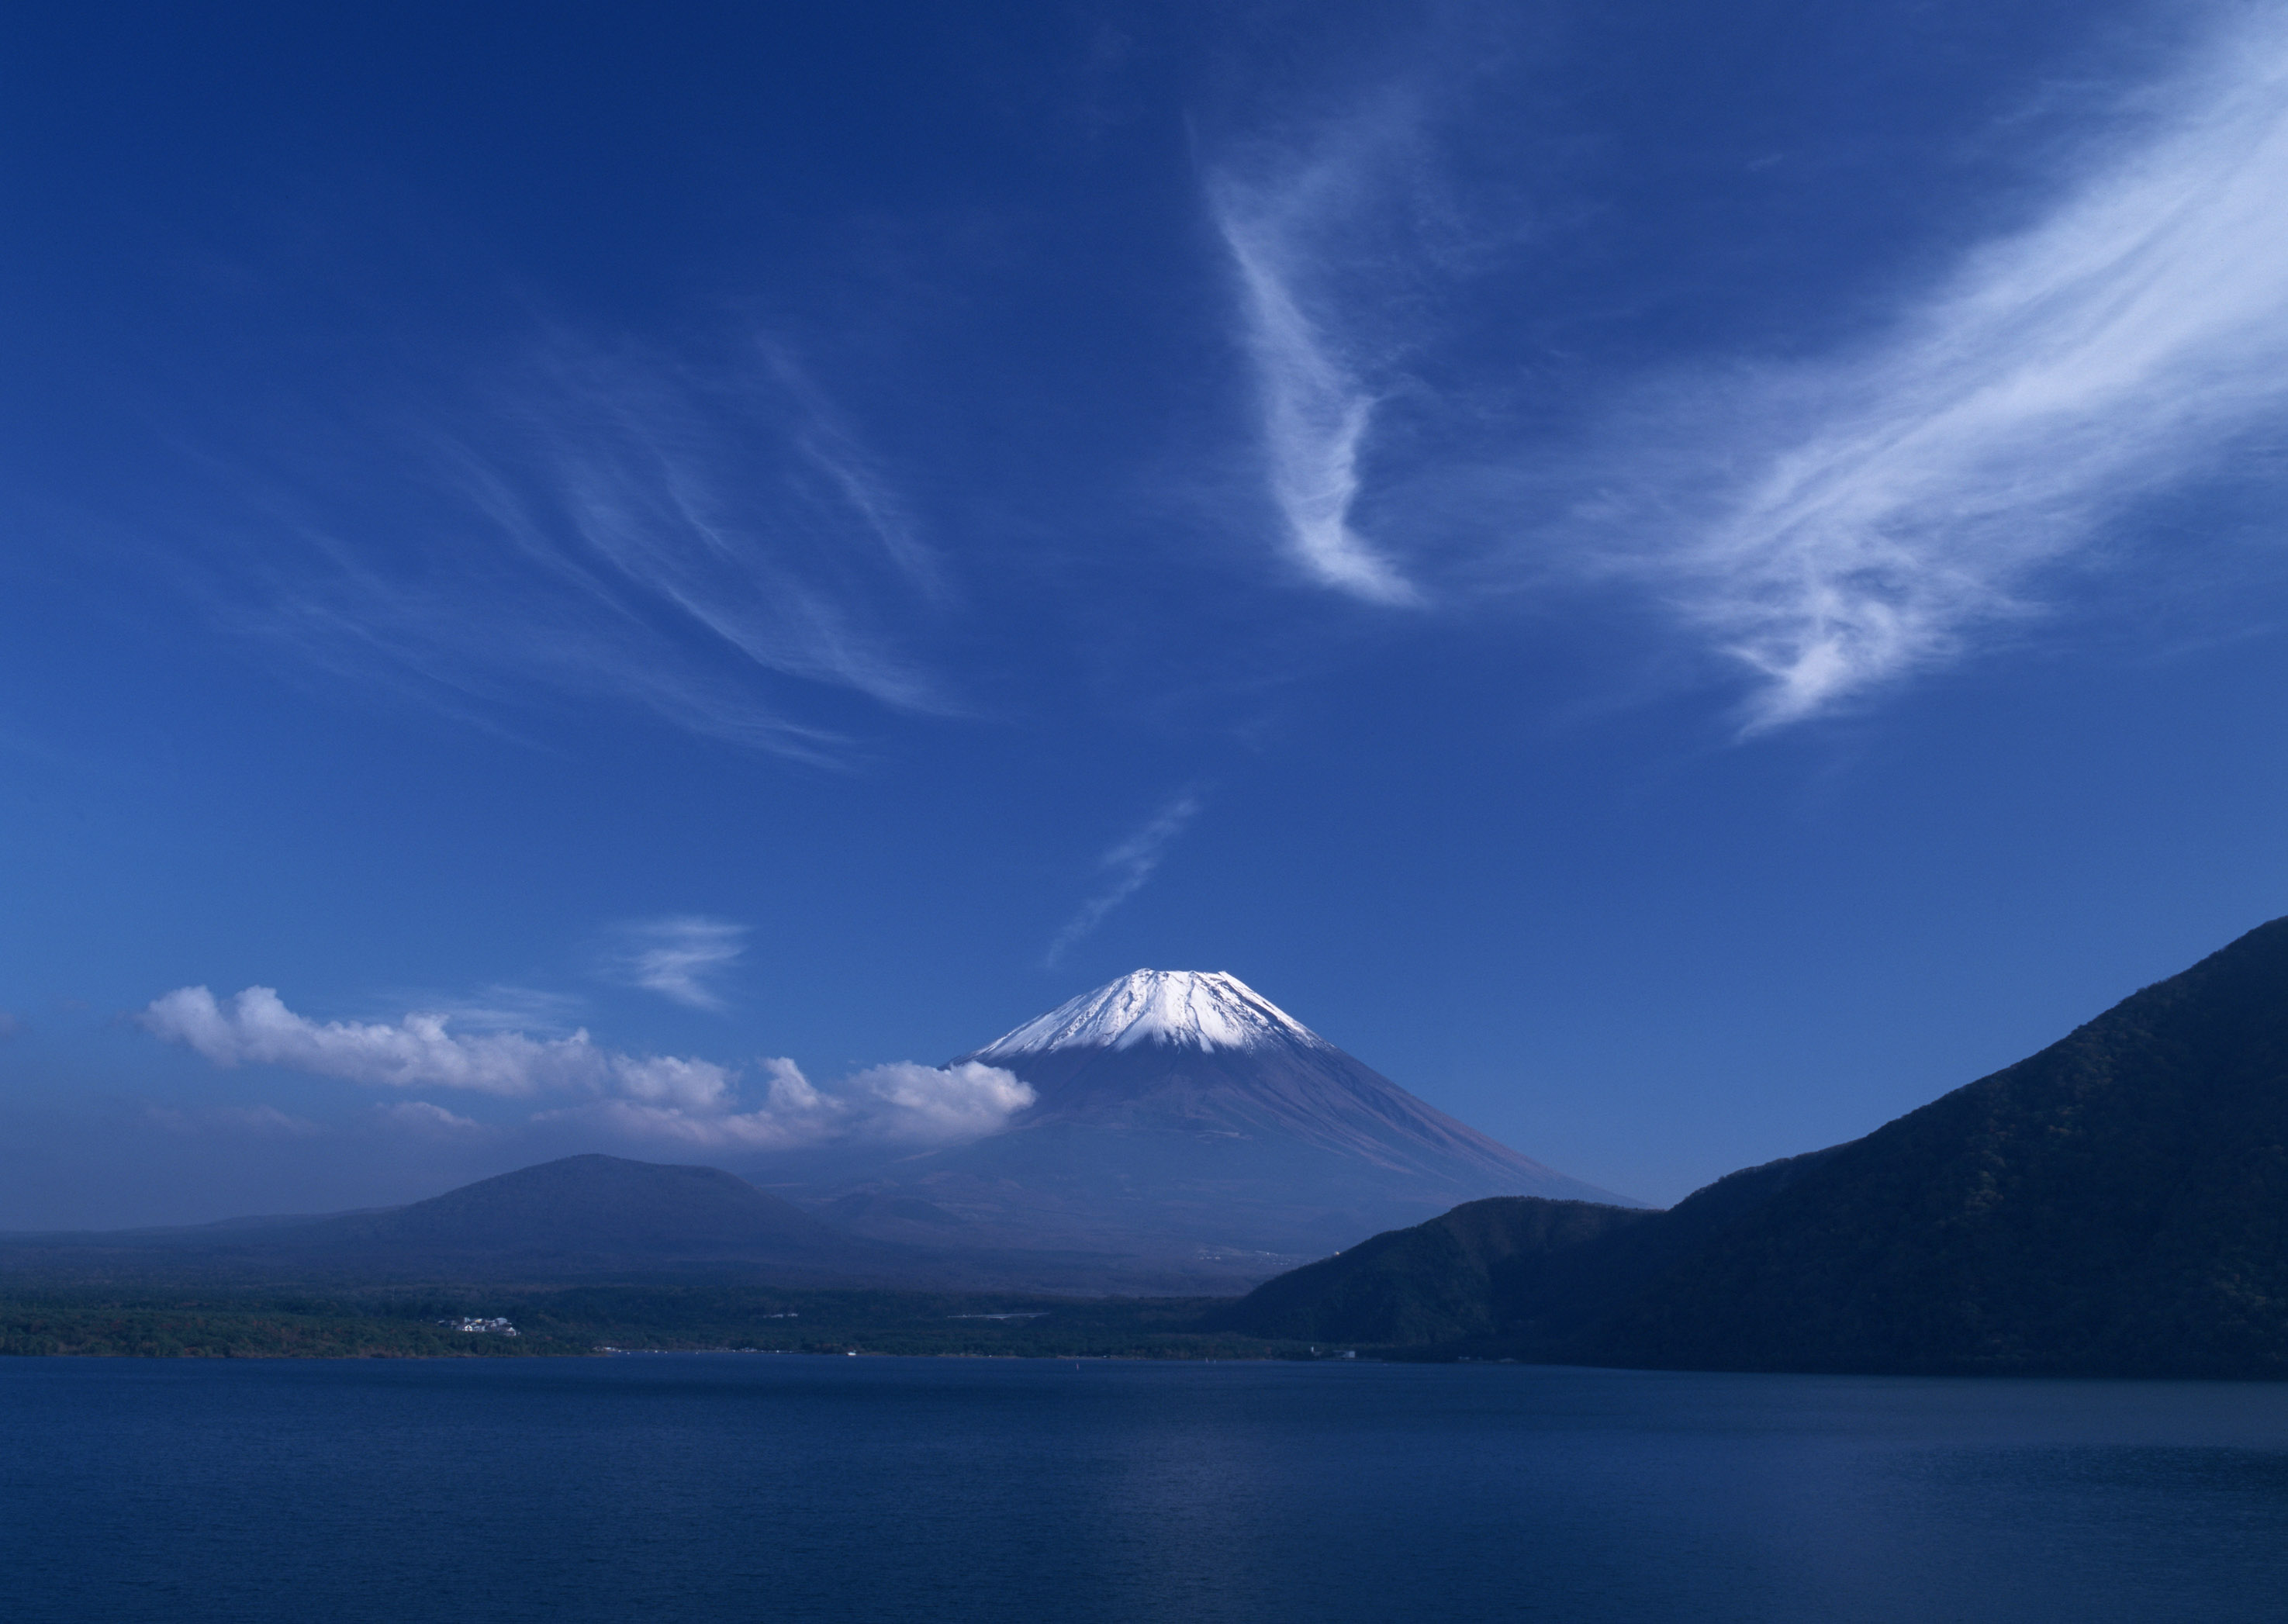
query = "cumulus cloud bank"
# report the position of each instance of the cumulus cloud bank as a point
(689, 1100)
(418, 1052)
(899, 1104)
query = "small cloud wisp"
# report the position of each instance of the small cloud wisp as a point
(678, 957)
(1130, 863)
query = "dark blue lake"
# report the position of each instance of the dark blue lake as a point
(735, 1487)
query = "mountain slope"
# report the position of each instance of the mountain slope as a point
(1445, 1281)
(1202, 1052)
(581, 1216)
(1182, 1114)
(591, 1206)
(2117, 1204)
(1529, 1276)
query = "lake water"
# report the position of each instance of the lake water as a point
(707, 1487)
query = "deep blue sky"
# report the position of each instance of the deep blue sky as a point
(1679, 579)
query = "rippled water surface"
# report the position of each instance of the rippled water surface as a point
(728, 1487)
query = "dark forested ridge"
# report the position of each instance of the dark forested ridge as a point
(1513, 1276)
(1452, 1279)
(2117, 1204)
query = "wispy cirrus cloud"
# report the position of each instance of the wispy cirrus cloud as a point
(1127, 865)
(1314, 410)
(709, 545)
(1837, 524)
(657, 1097)
(497, 1008)
(1909, 494)
(1833, 524)
(678, 957)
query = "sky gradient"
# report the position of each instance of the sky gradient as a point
(1678, 580)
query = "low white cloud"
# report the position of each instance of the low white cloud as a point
(928, 1104)
(902, 1104)
(1129, 864)
(418, 1052)
(678, 957)
(643, 1098)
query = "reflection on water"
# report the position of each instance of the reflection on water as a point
(706, 1487)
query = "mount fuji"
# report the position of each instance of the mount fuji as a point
(1186, 1124)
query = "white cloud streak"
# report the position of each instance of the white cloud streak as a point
(1833, 526)
(494, 1009)
(1908, 496)
(1129, 864)
(697, 545)
(656, 1097)
(1314, 411)
(419, 1116)
(678, 957)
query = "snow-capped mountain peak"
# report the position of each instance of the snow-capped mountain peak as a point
(1195, 1009)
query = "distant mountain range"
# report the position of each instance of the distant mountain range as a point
(2117, 1204)
(1188, 1136)
(578, 1217)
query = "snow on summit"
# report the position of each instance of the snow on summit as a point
(1199, 1008)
